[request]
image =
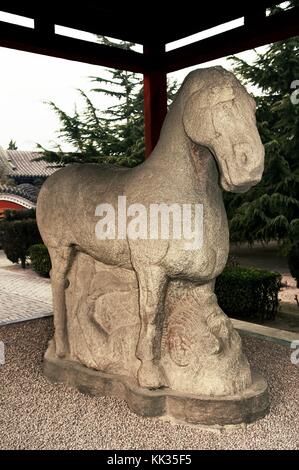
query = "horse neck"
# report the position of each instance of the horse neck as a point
(172, 149)
(177, 156)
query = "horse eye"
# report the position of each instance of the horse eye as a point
(227, 105)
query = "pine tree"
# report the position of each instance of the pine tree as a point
(270, 210)
(124, 118)
(114, 135)
(12, 145)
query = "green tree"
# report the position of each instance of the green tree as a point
(113, 135)
(12, 145)
(270, 210)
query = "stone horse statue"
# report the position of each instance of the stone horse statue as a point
(209, 140)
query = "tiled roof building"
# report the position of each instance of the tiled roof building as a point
(21, 164)
(21, 178)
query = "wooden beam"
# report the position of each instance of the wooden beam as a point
(129, 23)
(43, 26)
(252, 17)
(265, 30)
(155, 100)
(41, 41)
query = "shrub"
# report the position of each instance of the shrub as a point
(17, 235)
(12, 215)
(248, 292)
(40, 259)
(293, 262)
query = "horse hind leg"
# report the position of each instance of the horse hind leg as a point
(61, 259)
(152, 287)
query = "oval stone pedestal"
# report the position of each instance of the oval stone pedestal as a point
(245, 407)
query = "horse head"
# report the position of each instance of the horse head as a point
(218, 113)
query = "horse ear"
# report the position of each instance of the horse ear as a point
(198, 109)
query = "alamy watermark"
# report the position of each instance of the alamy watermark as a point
(2, 353)
(155, 222)
(295, 94)
(295, 353)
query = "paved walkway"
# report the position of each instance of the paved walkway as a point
(23, 294)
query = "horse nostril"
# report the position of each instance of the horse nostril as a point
(243, 153)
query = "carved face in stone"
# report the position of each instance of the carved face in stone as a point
(226, 114)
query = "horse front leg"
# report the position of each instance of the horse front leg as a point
(152, 282)
(61, 262)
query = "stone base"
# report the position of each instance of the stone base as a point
(247, 407)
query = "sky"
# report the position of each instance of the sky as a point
(28, 81)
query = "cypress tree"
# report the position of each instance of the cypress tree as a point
(270, 210)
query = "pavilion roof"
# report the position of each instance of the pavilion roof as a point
(152, 24)
(139, 22)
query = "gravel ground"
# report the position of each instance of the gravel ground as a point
(35, 414)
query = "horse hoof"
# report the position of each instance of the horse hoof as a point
(60, 351)
(150, 376)
(60, 354)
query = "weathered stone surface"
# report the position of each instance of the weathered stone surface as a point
(104, 325)
(145, 308)
(246, 407)
(103, 320)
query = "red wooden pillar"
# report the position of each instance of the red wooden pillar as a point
(155, 101)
